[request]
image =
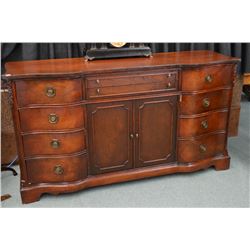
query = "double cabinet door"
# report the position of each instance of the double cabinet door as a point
(130, 134)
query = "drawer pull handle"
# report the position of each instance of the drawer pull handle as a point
(137, 135)
(206, 103)
(58, 169)
(53, 118)
(131, 136)
(208, 78)
(169, 84)
(55, 143)
(204, 124)
(97, 81)
(98, 91)
(203, 148)
(50, 92)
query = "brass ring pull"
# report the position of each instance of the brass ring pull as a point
(53, 118)
(58, 169)
(206, 103)
(208, 78)
(204, 124)
(50, 92)
(55, 143)
(203, 148)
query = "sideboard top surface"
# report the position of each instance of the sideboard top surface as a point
(76, 66)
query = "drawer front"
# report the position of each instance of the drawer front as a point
(217, 121)
(198, 103)
(204, 147)
(48, 91)
(61, 169)
(132, 84)
(207, 77)
(53, 143)
(54, 118)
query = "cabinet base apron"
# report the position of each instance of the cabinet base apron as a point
(33, 193)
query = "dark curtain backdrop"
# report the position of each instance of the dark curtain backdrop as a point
(33, 51)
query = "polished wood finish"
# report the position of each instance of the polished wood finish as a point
(202, 147)
(136, 83)
(42, 170)
(155, 131)
(203, 123)
(37, 119)
(8, 142)
(110, 131)
(54, 143)
(195, 103)
(234, 117)
(205, 78)
(153, 77)
(79, 67)
(234, 120)
(36, 91)
(108, 121)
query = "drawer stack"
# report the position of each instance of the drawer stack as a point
(204, 111)
(52, 125)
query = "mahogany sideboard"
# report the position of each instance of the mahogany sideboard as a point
(81, 124)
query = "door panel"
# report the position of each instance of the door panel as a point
(110, 126)
(155, 131)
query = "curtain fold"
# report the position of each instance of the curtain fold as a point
(36, 51)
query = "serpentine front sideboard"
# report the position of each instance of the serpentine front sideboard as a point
(81, 124)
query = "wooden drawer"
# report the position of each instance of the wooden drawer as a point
(52, 118)
(61, 169)
(54, 143)
(202, 147)
(193, 126)
(132, 84)
(48, 91)
(198, 103)
(207, 77)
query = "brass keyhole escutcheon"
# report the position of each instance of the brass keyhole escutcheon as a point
(58, 169)
(208, 78)
(55, 143)
(206, 103)
(53, 118)
(50, 92)
(203, 148)
(204, 124)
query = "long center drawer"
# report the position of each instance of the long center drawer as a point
(131, 83)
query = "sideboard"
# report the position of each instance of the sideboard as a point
(81, 124)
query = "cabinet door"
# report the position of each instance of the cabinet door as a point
(155, 131)
(110, 127)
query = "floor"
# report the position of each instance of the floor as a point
(206, 188)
